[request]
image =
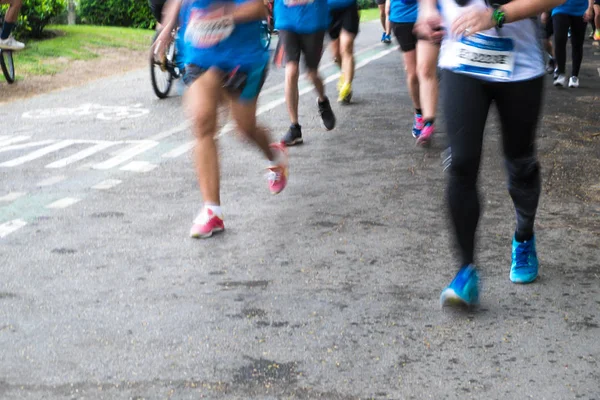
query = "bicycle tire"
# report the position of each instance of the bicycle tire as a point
(8, 65)
(156, 71)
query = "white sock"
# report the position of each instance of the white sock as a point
(277, 158)
(215, 209)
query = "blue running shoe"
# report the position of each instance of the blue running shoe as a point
(387, 39)
(383, 35)
(463, 291)
(524, 268)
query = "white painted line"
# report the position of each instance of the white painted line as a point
(81, 155)
(180, 128)
(6, 140)
(12, 196)
(138, 166)
(51, 181)
(38, 153)
(63, 203)
(107, 184)
(277, 102)
(598, 71)
(25, 146)
(9, 227)
(177, 151)
(128, 154)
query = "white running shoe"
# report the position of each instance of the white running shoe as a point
(11, 44)
(574, 82)
(560, 80)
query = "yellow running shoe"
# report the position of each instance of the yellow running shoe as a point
(597, 34)
(341, 82)
(345, 93)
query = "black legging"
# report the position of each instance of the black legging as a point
(466, 101)
(561, 23)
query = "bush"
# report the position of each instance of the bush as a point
(36, 14)
(129, 13)
(364, 4)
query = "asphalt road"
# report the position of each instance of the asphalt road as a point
(329, 290)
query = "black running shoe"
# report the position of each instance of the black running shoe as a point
(326, 114)
(293, 136)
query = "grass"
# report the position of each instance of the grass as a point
(369, 14)
(79, 42)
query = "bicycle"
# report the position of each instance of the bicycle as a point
(6, 62)
(163, 72)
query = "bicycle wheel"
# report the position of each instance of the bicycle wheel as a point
(161, 75)
(8, 65)
(265, 35)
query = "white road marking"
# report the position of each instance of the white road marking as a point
(12, 196)
(180, 128)
(63, 203)
(81, 155)
(38, 153)
(9, 227)
(51, 181)
(107, 184)
(142, 146)
(138, 166)
(25, 146)
(6, 140)
(177, 151)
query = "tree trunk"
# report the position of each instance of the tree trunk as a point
(71, 16)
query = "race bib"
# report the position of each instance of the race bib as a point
(485, 55)
(208, 28)
(295, 3)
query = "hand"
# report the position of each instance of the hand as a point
(544, 18)
(473, 21)
(160, 45)
(589, 15)
(429, 26)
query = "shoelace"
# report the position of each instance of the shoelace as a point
(522, 253)
(274, 176)
(202, 217)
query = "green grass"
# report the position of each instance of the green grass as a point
(369, 14)
(80, 42)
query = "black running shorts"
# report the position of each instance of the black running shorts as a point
(294, 44)
(405, 36)
(344, 18)
(157, 7)
(380, 2)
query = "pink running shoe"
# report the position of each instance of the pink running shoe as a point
(425, 137)
(278, 175)
(205, 224)
(417, 125)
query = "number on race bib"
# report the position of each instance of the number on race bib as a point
(207, 29)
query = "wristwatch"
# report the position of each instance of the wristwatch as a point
(498, 16)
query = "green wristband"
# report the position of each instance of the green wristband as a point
(498, 16)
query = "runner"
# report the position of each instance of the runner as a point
(343, 30)
(224, 55)
(420, 65)
(302, 25)
(572, 15)
(386, 36)
(546, 19)
(7, 42)
(510, 73)
(157, 6)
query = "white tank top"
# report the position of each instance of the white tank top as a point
(512, 53)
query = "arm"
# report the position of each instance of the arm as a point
(589, 14)
(429, 22)
(477, 20)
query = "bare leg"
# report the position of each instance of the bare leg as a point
(427, 55)
(13, 10)
(244, 115)
(201, 102)
(412, 80)
(314, 77)
(347, 54)
(383, 18)
(292, 74)
(335, 51)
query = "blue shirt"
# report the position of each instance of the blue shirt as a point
(572, 7)
(337, 4)
(301, 16)
(402, 11)
(209, 40)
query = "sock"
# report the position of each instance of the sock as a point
(418, 111)
(7, 29)
(276, 159)
(215, 209)
(429, 121)
(523, 236)
(296, 125)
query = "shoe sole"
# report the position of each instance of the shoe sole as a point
(345, 101)
(450, 300)
(559, 84)
(521, 281)
(207, 235)
(294, 142)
